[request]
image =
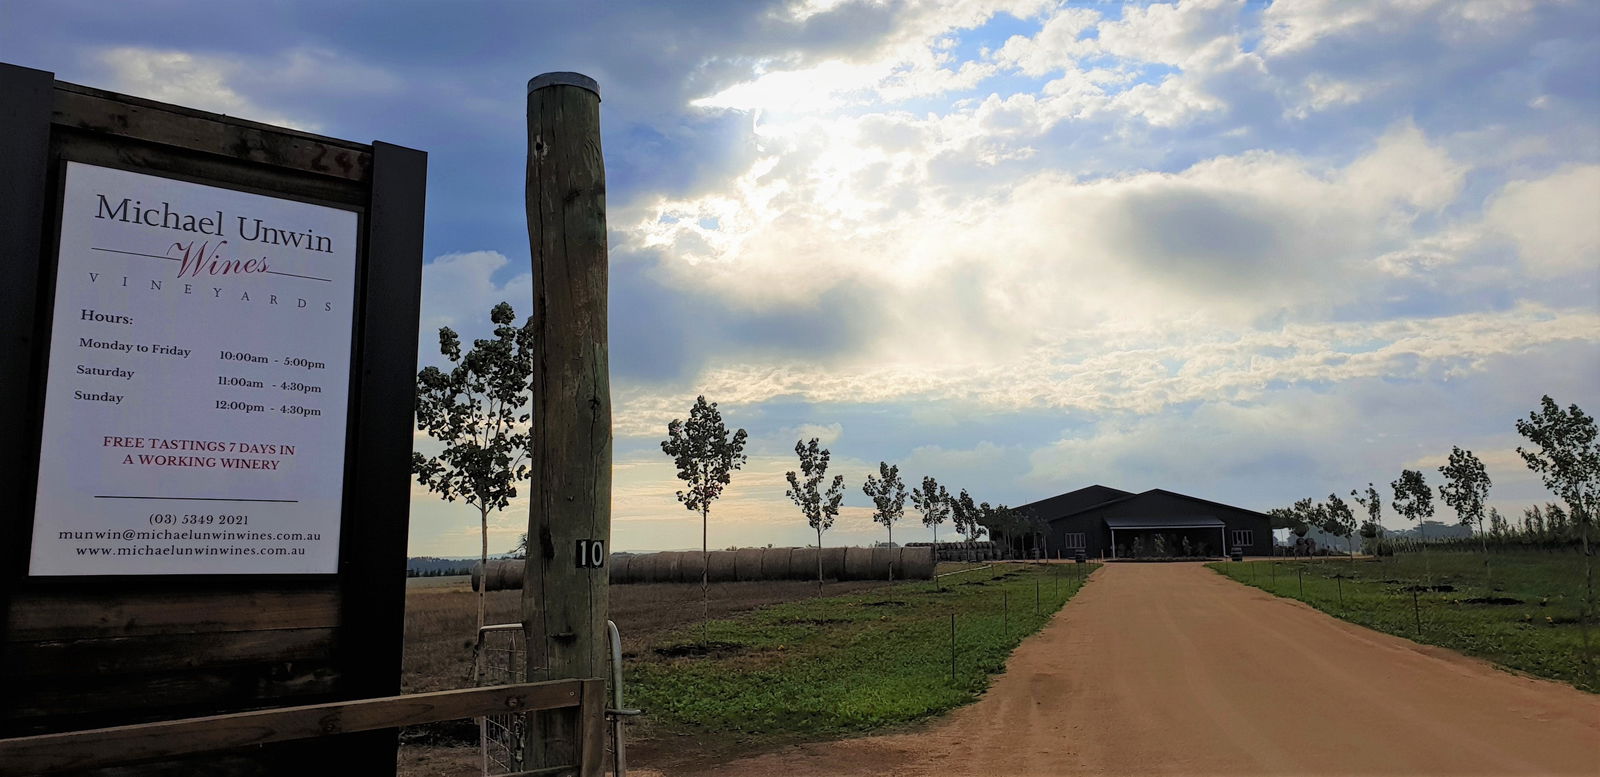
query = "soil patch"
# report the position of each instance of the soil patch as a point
(688, 649)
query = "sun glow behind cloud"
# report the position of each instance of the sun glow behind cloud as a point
(1258, 251)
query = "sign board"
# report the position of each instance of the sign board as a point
(198, 381)
(208, 341)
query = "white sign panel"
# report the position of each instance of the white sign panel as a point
(198, 382)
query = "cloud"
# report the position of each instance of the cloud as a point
(1552, 221)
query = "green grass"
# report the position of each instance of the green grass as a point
(846, 664)
(1540, 636)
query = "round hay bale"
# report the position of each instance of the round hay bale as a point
(722, 564)
(882, 559)
(619, 569)
(690, 565)
(661, 569)
(858, 564)
(747, 564)
(803, 564)
(916, 563)
(833, 563)
(477, 573)
(641, 567)
(775, 563)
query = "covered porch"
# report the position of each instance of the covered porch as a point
(1167, 536)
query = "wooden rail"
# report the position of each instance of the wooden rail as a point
(50, 753)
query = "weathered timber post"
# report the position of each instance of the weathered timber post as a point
(564, 592)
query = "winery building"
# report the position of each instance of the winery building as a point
(1112, 523)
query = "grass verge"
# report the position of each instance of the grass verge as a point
(847, 664)
(1520, 612)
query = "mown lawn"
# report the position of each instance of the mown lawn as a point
(846, 664)
(1531, 624)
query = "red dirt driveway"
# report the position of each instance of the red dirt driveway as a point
(1171, 669)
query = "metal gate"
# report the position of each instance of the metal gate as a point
(500, 660)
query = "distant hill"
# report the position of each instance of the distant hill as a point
(435, 566)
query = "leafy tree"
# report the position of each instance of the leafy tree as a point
(888, 496)
(1413, 499)
(1372, 527)
(964, 515)
(819, 507)
(1340, 521)
(706, 456)
(1497, 523)
(478, 410)
(1568, 460)
(1466, 487)
(933, 501)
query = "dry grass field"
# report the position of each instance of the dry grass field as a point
(441, 614)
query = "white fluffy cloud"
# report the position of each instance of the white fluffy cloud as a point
(1552, 220)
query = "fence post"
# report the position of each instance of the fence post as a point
(1005, 610)
(1301, 574)
(952, 648)
(1416, 610)
(565, 601)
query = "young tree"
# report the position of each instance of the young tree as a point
(1497, 523)
(820, 507)
(933, 501)
(478, 411)
(1372, 527)
(888, 496)
(1568, 460)
(1413, 499)
(964, 515)
(1340, 521)
(706, 456)
(1466, 487)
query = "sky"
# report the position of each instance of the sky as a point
(1246, 251)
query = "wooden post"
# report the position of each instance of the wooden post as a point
(564, 605)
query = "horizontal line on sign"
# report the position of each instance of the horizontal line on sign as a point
(194, 498)
(176, 259)
(136, 253)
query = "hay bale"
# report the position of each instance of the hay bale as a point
(643, 568)
(858, 564)
(775, 563)
(618, 566)
(747, 564)
(503, 575)
(803, 564)
(833, 563)
(882, 559)
(662, 568)
(722, 566)
(691, 565)
(916, 563)
(506, 574)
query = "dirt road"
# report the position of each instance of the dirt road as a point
(1171, 669)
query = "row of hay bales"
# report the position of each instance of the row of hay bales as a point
(750, 564)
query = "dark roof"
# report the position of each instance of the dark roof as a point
(1074, 501)
(1086, 499)
(1166, 522)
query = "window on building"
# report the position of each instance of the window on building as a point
(1075, 540)
(1244, 537)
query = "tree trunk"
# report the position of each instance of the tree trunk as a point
(819, 560)
(705, 568)
(483, 565)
